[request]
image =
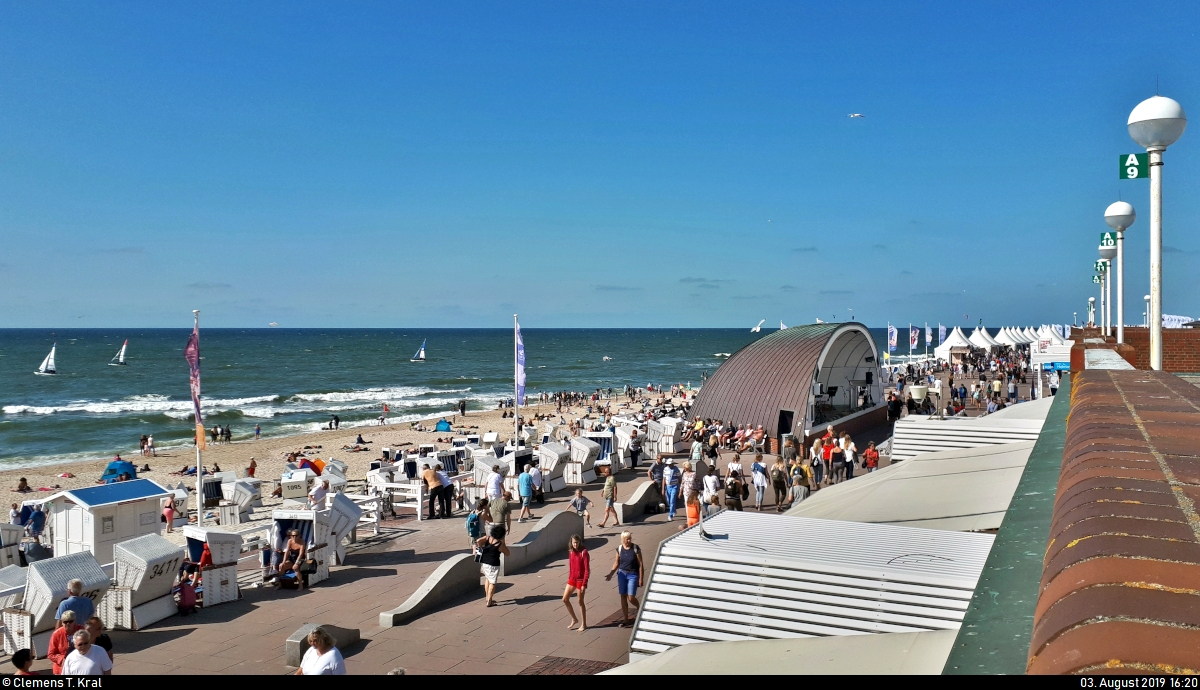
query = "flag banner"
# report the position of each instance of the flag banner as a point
(191, 352)
(941, 334)
(520, 367)
(914, 334)
(891, 338)
(928, 335)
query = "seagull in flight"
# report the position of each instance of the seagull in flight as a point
(856, 115)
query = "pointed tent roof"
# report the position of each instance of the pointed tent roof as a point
(980, 338)
(1004, 338)
(953, 340)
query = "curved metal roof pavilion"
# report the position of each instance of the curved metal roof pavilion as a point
(790, 372)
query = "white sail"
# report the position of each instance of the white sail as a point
(782, 327)
(47, 367)
(420, 356)
(119, 358)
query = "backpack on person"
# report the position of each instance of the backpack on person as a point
(777, 476)
(473, 530)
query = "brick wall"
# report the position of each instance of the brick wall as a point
(1181, 348)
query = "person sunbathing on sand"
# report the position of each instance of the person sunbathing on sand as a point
(23, 486)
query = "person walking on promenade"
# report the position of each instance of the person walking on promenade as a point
(501, 510)
(733, 491)
(477, 522)
(691, 482)
(322, 657)
(779, 482)
(672, 479)
(629, 570)
(871, 457)
(655, 473)
(525, 489)
(712, 487)
(758, 477)
(849, 454)
(578, 571)
(610, 498)
(635, 448)
(490, 547)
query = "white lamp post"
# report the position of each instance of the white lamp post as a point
(1146, 314)
(1156, 123)
(1119, 217)
(1106, 256)
(1092, 311)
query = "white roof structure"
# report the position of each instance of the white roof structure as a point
(1023, 335)
(955, 339)
(962, 490)
(980, 338)
(1005, 338)
(916, 434)
(762, 576)
(892, 654)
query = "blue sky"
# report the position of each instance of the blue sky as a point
(584, 164)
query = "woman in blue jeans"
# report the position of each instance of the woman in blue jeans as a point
(629, 571)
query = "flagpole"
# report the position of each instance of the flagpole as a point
(199, 466)
(910, 342)
(516, 393)
(926, 338)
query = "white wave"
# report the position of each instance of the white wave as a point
(139, 403)
(379, 394)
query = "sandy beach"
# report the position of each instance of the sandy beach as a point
(271, 453)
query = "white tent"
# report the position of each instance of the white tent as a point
(953, 340)
(980, 338)
(1006, 339)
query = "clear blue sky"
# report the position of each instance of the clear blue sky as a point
(584, 164)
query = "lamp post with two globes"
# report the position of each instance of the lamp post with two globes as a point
(1156, 123)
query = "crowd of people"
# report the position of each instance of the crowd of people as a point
(986, 382)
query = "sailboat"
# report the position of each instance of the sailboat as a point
(420, 356)
(781, 326)
(757, 328)
(47, 368)
(118, 359)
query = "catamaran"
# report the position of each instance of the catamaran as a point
(420, 356)
(118, 359)
(47, 368)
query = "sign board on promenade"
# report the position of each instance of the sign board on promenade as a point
(1095, 279)
(1108, 239)
(1056, 366)
(1135, 165)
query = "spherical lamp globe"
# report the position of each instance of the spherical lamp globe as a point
(1120, 215)
(1157, 122)
(1108, 253)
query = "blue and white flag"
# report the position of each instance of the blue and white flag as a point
(520, 364)
(941, 334)
(928, 335)
(891, 338)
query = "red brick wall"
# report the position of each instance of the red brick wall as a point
(1181, 348)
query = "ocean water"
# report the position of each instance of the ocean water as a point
(290, 381)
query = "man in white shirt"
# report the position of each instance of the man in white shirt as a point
(87, 659)
(536, 474)
(447, 491)
(320, 489)
(495, 484)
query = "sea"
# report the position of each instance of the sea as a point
(291, 381)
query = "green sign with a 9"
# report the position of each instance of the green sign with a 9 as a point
(1134, 165)
(1108, 239)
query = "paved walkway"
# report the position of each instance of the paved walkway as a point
(529, 623)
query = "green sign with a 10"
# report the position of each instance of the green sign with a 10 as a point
(1108, 239)
(1135, 165)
